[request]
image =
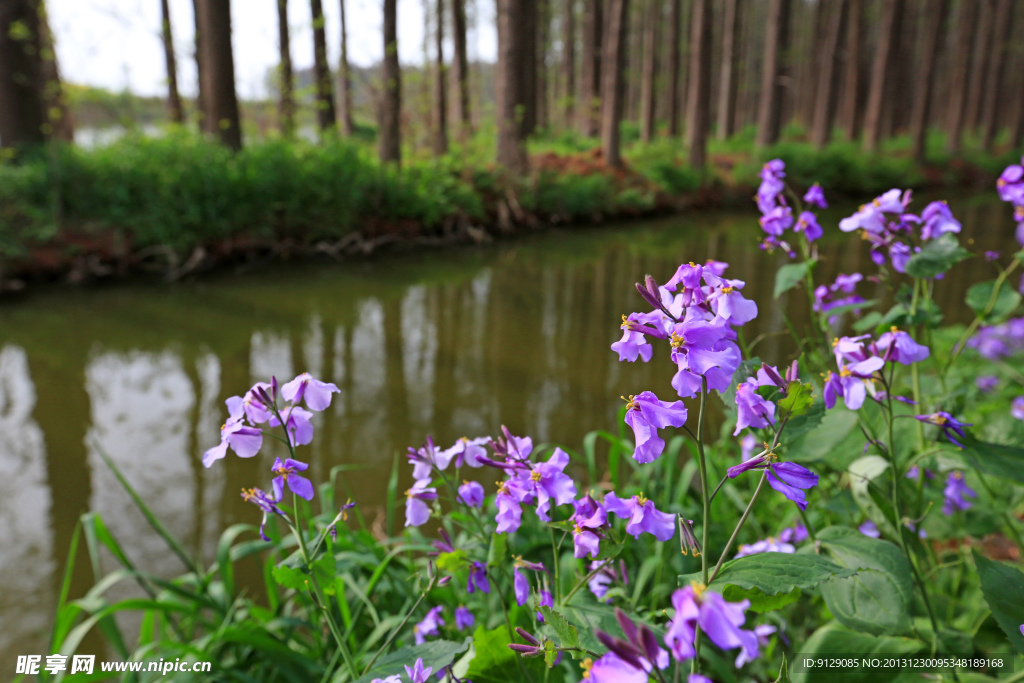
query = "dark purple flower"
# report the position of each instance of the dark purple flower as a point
(640, 648)
(849, 382)
(646, 415)
(546, 600)
(816, 197)
(287, 474)
(478, 579)
(642, 516)
(417, 674)
(429, 626)
(463, 618)
(950, 426)
(956, 493)
(807, 223)
(265, 503)
(937, 220)
(777, 221)
(719, 619)
(900, 347)
(417, 512)
(317, 394)
(472, 494)
(788, 478)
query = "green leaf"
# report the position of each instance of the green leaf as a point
(835, 640)
(436, 654)
(451, 562)
(775, 573)
(290, 577)
(323, 571)
(759, 602)
(859, 306)
(820, 441)
(790, 275)
(979, 295)
(937, 257)
(1005, 462)
(798, 426)
(878, 598)
(498, 551)
(798, 401)
(1003, 587)
(565, 632)
(862, 472)
(867, 322)
(493, 662)
(747, 368)
(551, 653)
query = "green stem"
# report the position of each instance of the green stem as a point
(739, 525)
(706, 496)
(969, 332)
(583, 581)
(405, 620)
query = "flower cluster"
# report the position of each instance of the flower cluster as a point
(719, 619)
(858, 362)
(777, 215)
(1010, 186)
(840, 293)
(995, 342)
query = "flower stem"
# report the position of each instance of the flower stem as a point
(398, 628)
(706, 496)
(739, 525)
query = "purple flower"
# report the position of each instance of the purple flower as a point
(317, 394)
(417, 512)
(849, 382)
(634, 343)
(788, 478)
(417, 674)
(478, 579)
(794, 534)
(719, 619)
(764, 633)
(287, 475)
(472, 494)
(992, 255)
(590, 516)
(899, 254)
(727, 303)
(900, 347)
(245, 441)
(771, 186)
(463, 618)
(393, 678)
(297, 424)
(868, 528)
(429, 626)
(766, 545)
(956, 493)
(548, 481)
(642, 516)
(949, 425)
(807, 223)
(1017, 408)
(640, 648)
(986, 383)
(752, 410)
(467, 452)
(425, 458)
(870, 217)
(546, 600)
(255, 405)
(612, 669)
(1010, 184)
(510, 513)
(747, 445)
(646, 415)
(816, 197)
(520, 584)
(265, 503)
(777, 221)
(937, 220)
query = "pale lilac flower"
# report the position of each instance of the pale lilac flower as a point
(245, 441)
(472, 494)
(869, 529)
(807, 223)
(463, 618)
(467, 452)
(937, 220)
(612, 669)
(255, 405)
(719, 619)
(510, 513)
(777, 221)
(287, 475)
(646, 415)
(765, 545)
(429, 626)
(417, 674)
(751, 409)
(815, 196)
(417, 512)
(956, 493)
(601, 580)
(589, 518)
(428, 456)
(849, 383)
(1017, 408)
(1010, 184)
(634, 343)
(317, 394)
(297, 424)
(870, 217)
(900, 347)
(747, 445)
(764, 632)
(727, 302)
(642, 516)
(393, 678)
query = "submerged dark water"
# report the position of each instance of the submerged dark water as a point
(449, 343)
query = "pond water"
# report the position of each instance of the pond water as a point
(448, 343)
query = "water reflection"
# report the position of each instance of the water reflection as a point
(450, 343)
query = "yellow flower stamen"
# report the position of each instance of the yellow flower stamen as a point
(727, 290)
(676, 340)
(535, 475)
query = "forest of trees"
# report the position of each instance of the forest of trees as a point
(866, 70)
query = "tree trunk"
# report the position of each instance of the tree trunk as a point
(321, 70)
(698, 98)
(543, 33)
(958, 78)
(22, 111)
(774, 74)
(511, 87)
(996, 70)
(461, 70)
(218, 75)
(58, 114)
(440, 93)
(885, 52)
(828, 71)
(197, 13)
(527, 62)
(931, 46)
(652, 22)
(593, 45)
(612, 86)
(979, 65)
(286, 74)
(851, 100)
(391, 102)
(345, 80)
(174, 109)
(672, 95)
(727, 84)
(569, 62)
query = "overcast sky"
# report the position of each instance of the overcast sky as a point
(116, 43)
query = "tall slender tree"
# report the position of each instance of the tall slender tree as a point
(325, 114)
(391, 101)
(612, 86)
(774, 73)
(60, 125)
(931, 45)
(593, 45)
(852, 85)
(528, 63)
(727, 84)
(828, 71)
(22, 112)
(461, 69)
(672, 95)
(218, 76)
(965, 23)
(286, 74)
(543, 34)
(174, 109)
(511, 86)
(568, 62)
(979, 63)
(648, 94)
(197, 45)
(996, 71)
(440, 88)
(698, 100)
(881, 72)
(345, 80)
